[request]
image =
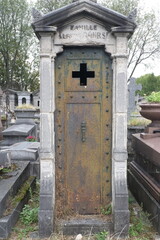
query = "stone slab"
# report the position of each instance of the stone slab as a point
(8, 222)
(25, 151)
(85, 226)
(149, 148)
(5, 159)
(18, 130)
(9, 186)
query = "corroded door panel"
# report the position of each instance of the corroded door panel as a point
(83, 149)
(83, 130)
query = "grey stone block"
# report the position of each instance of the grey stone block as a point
(85, 226)
(5, 158)
(25, 151)
(46, 226)
(121, 223)
(18, 130)
(46, 202)
(121, 202)
(35, 169)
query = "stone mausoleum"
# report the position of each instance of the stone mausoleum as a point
(83, 92)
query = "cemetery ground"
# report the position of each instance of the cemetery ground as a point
(27, 226)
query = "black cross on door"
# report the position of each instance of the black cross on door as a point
(83, 74)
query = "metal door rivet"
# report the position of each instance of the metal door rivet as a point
(95, 96)
(60, 153)
(59, 96)
(106, 96)
(107, 110)
(59, 111)
(107, 153)
(59, 139)
(107, 125)
(107, 180)
(83, 96)
(59, 125)
(107, 138)
(59, 66)
(59, 82)
(71, 96)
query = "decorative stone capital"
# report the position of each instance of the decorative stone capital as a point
(45, 30)
(123, 31)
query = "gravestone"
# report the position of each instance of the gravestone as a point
(132, 102)
(18, 132)
(83, 112)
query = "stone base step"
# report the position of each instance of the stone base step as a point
(86, 225)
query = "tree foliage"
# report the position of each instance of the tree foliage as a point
(145, 42)
(50, 5)
(150, 83)
(16, 39)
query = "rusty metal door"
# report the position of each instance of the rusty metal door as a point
(83, 130)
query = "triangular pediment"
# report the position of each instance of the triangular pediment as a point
(84, 9)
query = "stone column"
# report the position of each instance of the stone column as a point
(119, 149)
(47, 152)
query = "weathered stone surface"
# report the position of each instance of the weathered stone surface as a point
(132, 99)
(46, 223)
(18, 132)
(8, 222)
(121, 223)
(25, 151)
(5, 158)
(10, 186)
(84, 226)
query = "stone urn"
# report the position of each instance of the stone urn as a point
(151, 111)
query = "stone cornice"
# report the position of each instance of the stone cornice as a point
(108, 17)
(40, 30)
